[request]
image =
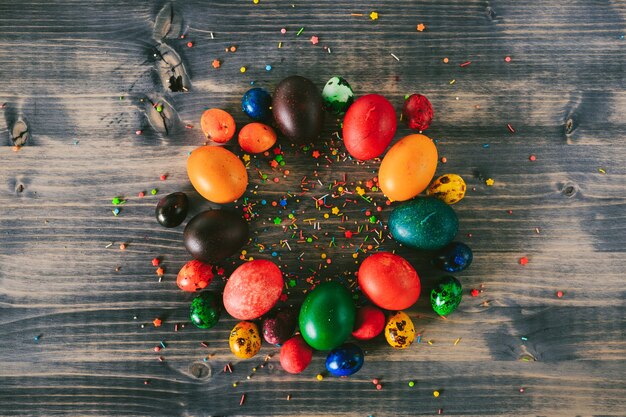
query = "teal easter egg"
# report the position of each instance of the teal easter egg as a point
(205, 309)
(337, 95)
(423, 223)
(446, 296)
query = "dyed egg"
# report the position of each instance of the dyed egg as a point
(369, 126)
(256, 137)
(194, 276)
(345, 360)
(214, 235)
(327, 316)
(369, 323)
(399, 330)
(423, 223)
(455, 257)
(337, 95)
(389, 281)
(205, 310)
(257, 104)
(244, 340)
(446, 296)
(408, 167)
(172, 209)
(297, 108)
(295, 355)
(217, 174)
(217, 125)
(253, 289)
(279, 327)
(418, 112)
(449, 188)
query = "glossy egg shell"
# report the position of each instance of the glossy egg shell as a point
(297, 109)
(217, 174)
(408, 167)
(369, 323)
(218, 125)
(172, 209)
(454, 257)
(295, 355)
(446, 296)
(389, 281)
(257, 104)
(449, 188)
(205, 309)
(278, 327)
(244, 340)
(399, 330)
(194, 276)
(417, 112)
(253, 289)
(345, 360)
(327, 316)
(214, 235)
(256, 137)
(423, 223)
(369, 126)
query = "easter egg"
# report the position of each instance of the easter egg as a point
(214, 235)
(194, 276)
(244, 340)
(449, 188)
(256, 137)
(345, 360)
(369, 126)
(389, 281)
(446, 296)
(279, 327)
(417, 111)
(172, 209)
(423, 223)
(217, 125)
(253, 289)
(399, 330)
(408, 167)
(205, 310)
(337, 95)
(295, 355)
(257, 104)
(297, 109)
(369, 322)
(454, 257)
(327, 316)
(217, 174)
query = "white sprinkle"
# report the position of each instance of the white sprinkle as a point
(395, 57)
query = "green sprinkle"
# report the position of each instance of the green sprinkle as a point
(154, 191)
(291, 216)
(373, 219)
(524, 338)
(159, 108)
(277, 220)
(300, 31)
(411, 383)
(309, 239)
(116, 201)
(292, 282)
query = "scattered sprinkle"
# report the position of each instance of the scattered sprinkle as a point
(189, 44)
(489, 182)
(465, 64)
(315, 40)
(411, 383)
(420, 28)
(374, 15)
(154, 191)
(242, 69)
(243, 398)
(300, 31)
(474, 292)
(216, 63)
(511, 129)
(157, 322)
(319, 377)
(601, 171)
(532, 158)
(507, 59)
(559, 294)
(523, 260)
(395, 57)
(435, 394)
(446, 60)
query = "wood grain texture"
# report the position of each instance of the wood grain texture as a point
(75, 72)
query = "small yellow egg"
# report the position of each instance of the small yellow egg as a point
(449, 188)
(399, 330)
(244, 340)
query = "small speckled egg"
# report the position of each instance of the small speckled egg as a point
(257, 104)
(245, 340)
(455, 257)
(446, 296)
(399, 330)
(337, 95)
(205, 309)
(449, 188)
(345, 360)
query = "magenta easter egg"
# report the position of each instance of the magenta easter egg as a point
(253, 289)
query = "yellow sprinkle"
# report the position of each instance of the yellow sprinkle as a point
(340, 189)
(255, 1)
(244, 252)
(456, 342)
(242, 69)
(355, 255)
(374, 15)
(430, 342)
(489, 182)
(323, 256)
(234, 384)
(435, 394)
(601, 171)
(280, 44)
(452, 82)
(326, 215)
(320, 377)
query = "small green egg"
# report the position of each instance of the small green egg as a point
(205, 309)
(446, 296)
(337, 95)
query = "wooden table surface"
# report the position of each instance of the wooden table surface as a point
(76, 312)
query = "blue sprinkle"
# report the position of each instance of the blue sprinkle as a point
(263, 202)
(621, 36)
(268, 67)
(37, 338)
(524, 338)
(274, 254)
(283, 202)
(485, 145)
(116, 211)
(251, 82)
(163, 345)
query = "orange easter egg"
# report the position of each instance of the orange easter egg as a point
(217, 174)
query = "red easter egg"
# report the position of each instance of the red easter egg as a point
(194, 276)
(369, 126)
(369, 322)
(389, 281)
(295, 355)
(418, 112)
(253, 289)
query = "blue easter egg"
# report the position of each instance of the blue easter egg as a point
(257, 103)
(345, 360)
(455, 257)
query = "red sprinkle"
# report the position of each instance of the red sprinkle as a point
(559, 294)
(157, 348)
(146, 382)
(156, 262)
(440, 411)
(243, 398)
(522, 390)
(163, 177)
(189, 44)
(138, 132)
(511, 129)
(465, 64)
(141, 194)
(375, 381)
(348, 234)
(523, 260)
(379, 387)
(507, 59)
(474, 292)
(532, 157)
